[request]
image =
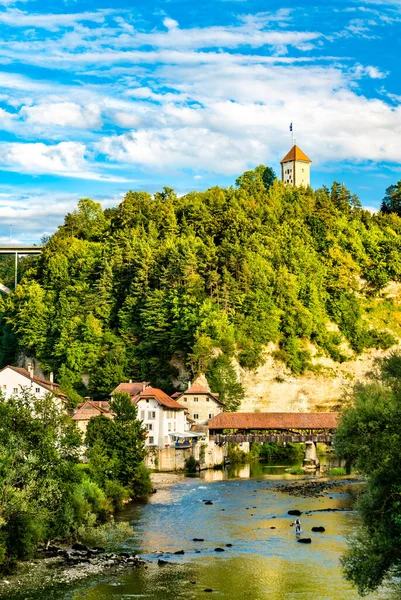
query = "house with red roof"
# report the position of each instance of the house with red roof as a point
(13, 380)
(163, 417)
(89, 409)
(133, 388)
(201, 404)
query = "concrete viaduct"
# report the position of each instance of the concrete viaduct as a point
(17, 250)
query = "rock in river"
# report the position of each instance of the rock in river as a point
(319, 529)
(295, 513)
(304, 541)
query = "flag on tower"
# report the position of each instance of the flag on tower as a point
(290, 126)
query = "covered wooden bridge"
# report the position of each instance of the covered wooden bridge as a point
(273, 427)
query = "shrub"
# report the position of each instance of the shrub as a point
(116, 493)
(141, 483)
(296, 471)
(337, 471)
(108, 535)
(23, 534)
(191, 465)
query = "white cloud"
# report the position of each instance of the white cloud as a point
(66, 159)
(63, 114)
(15, 17)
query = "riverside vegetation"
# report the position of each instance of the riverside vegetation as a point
(166, 282)
(46, 493)
(369, 437)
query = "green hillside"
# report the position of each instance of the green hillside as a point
(117, 294)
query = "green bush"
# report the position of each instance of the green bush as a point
(116, 493)
(23, 533)
(295, 471)
(191, 464)
(109, 535)
(337, 471)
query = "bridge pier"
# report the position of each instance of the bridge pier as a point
(311, 460)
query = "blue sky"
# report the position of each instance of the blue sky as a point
(96, 101)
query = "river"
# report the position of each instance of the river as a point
(265, 562)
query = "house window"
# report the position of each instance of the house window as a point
(185, 399)
(37, 390)
(169, 427)
(196, 400)
(149, 426)
(196, 416)
(15, 391)
(211, 416)
(147, 401)
(152, 414)
(142, 415)
(151, 441)
(207, 399)
(4, 387)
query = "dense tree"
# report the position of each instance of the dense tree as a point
(164, 282)
(369, 437)
(45, 493)
(116, 449)
(392, 200)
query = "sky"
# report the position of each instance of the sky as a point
(99, 98)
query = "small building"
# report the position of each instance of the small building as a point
(133, 388)
(14, 380)
(295, 168)
(89, 409)
(163, 417)
(201, 404)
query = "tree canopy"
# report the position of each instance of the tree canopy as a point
(164, 282)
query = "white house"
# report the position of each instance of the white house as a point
(13, 380)
(162, 417)
(201, 404)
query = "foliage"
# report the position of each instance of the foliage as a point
(369, 437)
(201, 279)
(191, 464)
(110, 535)
(337, 471)
(296, 471)
(392, 200)
(116, 450)
(44, 491)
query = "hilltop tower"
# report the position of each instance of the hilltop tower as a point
(295, 168)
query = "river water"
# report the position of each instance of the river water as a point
(262, 563)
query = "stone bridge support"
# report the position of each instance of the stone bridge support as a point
(311, 460)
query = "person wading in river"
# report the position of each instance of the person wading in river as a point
(297, 524)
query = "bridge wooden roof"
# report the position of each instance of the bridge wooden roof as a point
(270, 420)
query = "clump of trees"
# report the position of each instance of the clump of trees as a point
(116, 451)
(129, 292)
(46, 493)
(369, 437)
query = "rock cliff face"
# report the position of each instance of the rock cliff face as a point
(274, 388)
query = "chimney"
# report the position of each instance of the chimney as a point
(130, 380)
(189, 384)
(51, 377)
(30, 370)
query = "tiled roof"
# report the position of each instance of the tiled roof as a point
(133, 389)
(295, 154)
(196, 388)
(51, 387)
(92, 408)
(161, 397)
(274, 421)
